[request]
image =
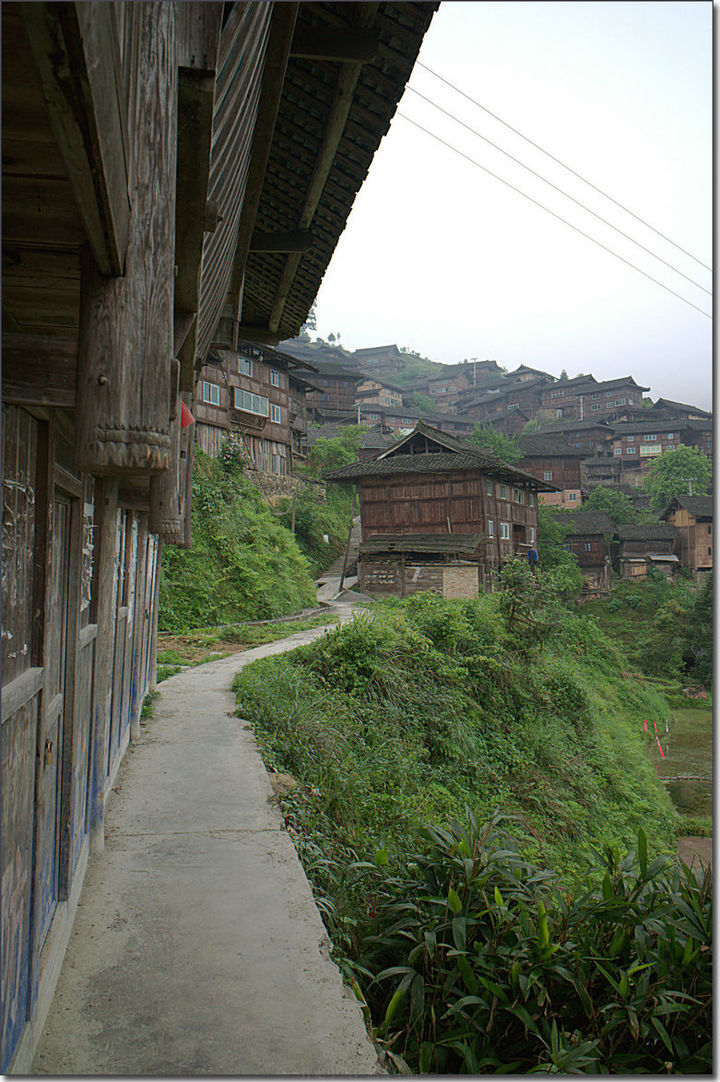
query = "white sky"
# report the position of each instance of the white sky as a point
(443, 258)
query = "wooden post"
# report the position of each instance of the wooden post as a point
(154, 617)
(107, 503)
(347, 545)
(126, 323)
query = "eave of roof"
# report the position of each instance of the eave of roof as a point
(451, 543)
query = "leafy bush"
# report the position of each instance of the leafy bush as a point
(476, 961)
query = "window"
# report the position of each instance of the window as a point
(488, 487)
(596, 406)
(557, 394)
(547, 475)
(650, 437)
(669, 435)
(594, 395)
(709, 550)
(572, 497)
(274, 377)
(531, 499)
(491, 528)
(617, 450)
(211, 393)
(532, 535)
(517, 495)
(513, 406)
(588, 546)
(251, 403)
(631, 450)
(670, 447)
(371, 416)
(406, 420)
(505, 531)
(503, 492)
(609, 394)
(630, 439)
(709, 529)
(275, 413)
(245, 365)
(619, 401)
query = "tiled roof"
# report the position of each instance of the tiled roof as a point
(454, 542)
(532, 443)
(651, 531)
(583, 522)
(374, 439)
(698, 506)
(667, 403)
(574, 426)
(637, 428)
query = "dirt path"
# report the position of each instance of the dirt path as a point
(693, 848)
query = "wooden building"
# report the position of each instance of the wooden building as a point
(163, 194)
(692, 516)
(247, 392)
(646, 545)
(524, 395)
(635, 444)
(591, 436)
(333, 390)
(588, 538)
(375, 392)
(439, 514)
(583, 397)
(552, 459)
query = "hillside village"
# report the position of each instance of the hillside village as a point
(571, 436)
(178, 841)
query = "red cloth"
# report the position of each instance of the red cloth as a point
(186, 417)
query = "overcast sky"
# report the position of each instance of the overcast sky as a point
(443, 258)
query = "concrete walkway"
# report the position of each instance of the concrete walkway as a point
(197, 948)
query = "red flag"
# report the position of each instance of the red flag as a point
(186, 417)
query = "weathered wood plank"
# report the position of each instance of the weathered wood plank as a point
(126, 324)
(20, 690)
(198, 35)
(77, 58)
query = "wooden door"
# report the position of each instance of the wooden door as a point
(50, 730)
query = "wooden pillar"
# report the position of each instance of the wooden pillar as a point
(107, 504)
(154, 617)
(126, 323)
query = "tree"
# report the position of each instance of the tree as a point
(618, 506)
(424, 402)
(532, 425)
(564, 376)
(331, 337)
(555, 559)
(674, 472)
(487, 437)
(310, 323)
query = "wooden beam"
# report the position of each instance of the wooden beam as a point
(316, 43)
(282, 25)
(257, 334)
(342, 102)
(196, 100)
(197, 31)
(39, 370)
(76, 54)
(282, 242)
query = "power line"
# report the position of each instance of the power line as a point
(559, 162)
(560, 190)
(559, 216)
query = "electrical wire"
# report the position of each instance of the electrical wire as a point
(567, 195)
(559, 162)
(554, 214)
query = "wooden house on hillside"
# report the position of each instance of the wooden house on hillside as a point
(646, 545)
(439, 514)
(588, 538)
(553, 460)
(175, 179)
(692, 516)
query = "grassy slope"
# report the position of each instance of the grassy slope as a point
(432, 705)
(243, 564)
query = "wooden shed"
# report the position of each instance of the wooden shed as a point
(588, 538)
(433, 502)
(647, 545)
(175, 176)
(692, 516)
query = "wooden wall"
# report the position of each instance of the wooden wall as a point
(457, 502)
(57, 576)
(394, 576)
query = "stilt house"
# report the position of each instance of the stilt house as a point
(439, 513)
(175, 178)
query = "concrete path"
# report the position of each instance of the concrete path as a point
(197, 948)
